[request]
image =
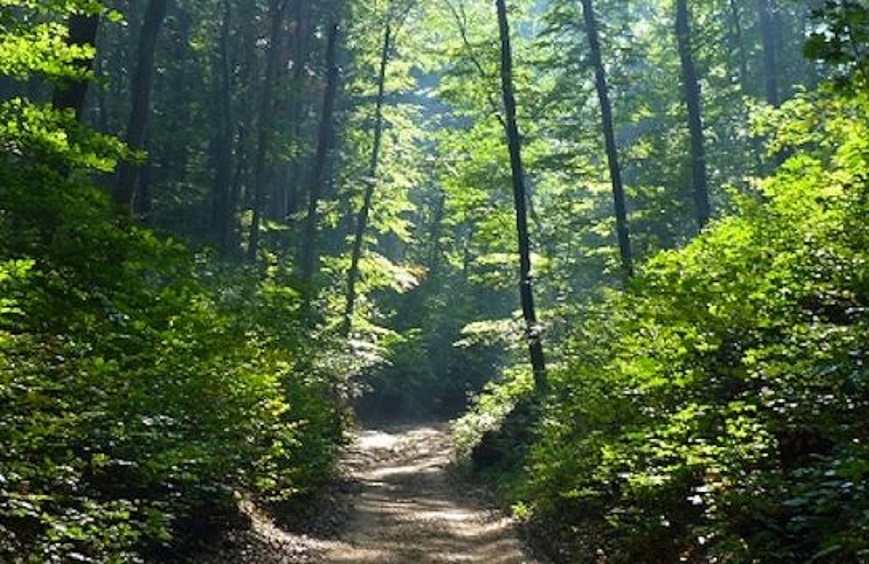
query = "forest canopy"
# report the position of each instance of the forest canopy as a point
(623, 241)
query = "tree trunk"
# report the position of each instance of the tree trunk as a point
(143, 79)
(739, 43)
(276, 11)
(691, 88)
(609, 139)
(434, 252)
(370, 184)
(308, 252)
(514, 143)
(71, 95)
(245, 124)
(223, 210)
(241, 172)
(768, 34)
(744, 83)
(297, 108)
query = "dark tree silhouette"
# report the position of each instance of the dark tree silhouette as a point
(308, 252)
(82, 31)
(691, 88)
(520, 194)
(143, 79)
(612, 153)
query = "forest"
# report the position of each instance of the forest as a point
(620, 244)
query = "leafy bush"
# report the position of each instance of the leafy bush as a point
(717, 410)
(136, 392)
(140, 386)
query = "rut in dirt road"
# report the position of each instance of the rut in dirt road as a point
(409, 511)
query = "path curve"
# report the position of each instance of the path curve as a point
(408, 510)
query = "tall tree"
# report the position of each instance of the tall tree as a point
(520, 194)
(291, 193)
(143, 79)
(308, 252)
(768, 34)
(691, 87)
(82, 33)
(223, 204)
(276, 17)
(612, 154)
(370, 181)
(738, 38)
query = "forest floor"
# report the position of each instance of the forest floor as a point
(399, 503)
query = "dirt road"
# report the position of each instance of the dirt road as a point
(407, 510)
(404, 508)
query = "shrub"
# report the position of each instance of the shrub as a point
(720, 411)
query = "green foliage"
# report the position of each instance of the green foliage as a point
(717, 409)
(840, 38)
(138, 393)
(490, 408)
(141, 385)
(33, 39)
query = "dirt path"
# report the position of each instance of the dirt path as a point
(398, 505)
(407, 510)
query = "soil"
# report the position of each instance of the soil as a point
(402, 505)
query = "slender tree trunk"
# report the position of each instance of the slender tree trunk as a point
(744, 83)
(144, 198)
(514, 142)
(102, 102)
(370, 184)
(276, 11)
(170, 159)
(612, 153)
(245, 128)
(223, 209)
(739, 42)
(691, 88)
(297, 107)
(71, 95)
(768, 33)
(241, 171)
(143, 79)
(770, 37)
(434, 252)
(308, 252)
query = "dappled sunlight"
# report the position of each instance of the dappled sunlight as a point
(409, 511)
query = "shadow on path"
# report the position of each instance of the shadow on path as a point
(407, 510)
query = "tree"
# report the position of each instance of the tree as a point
(143, 79)
(840, 39)
(223, 201)
(609, 139)
(394, 17)
(317, 183)
(769, 36)
(276, 19)
(82, 33)
(520, 194)
(370, 182)
(691, 89)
